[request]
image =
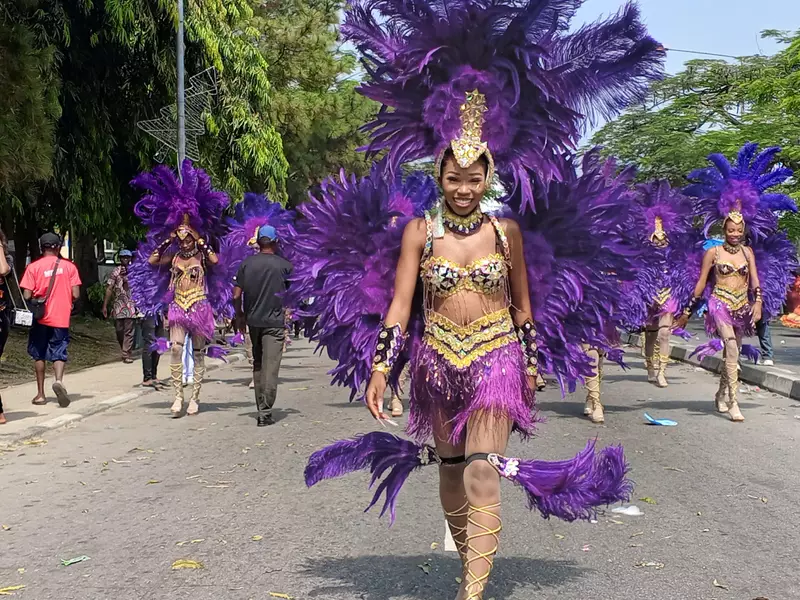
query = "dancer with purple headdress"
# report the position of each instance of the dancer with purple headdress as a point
(661, 223)
(742, 283)
(179, 272)
(452, 77)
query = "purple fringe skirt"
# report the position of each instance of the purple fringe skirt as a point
(492, 382)
(657, 310)
(198, 320)
(719, 313)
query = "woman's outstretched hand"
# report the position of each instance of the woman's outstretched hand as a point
(375, 391)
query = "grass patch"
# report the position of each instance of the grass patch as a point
(93, 343)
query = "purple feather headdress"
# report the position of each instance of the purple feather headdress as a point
(254, 212)
(539, 81)
(344, 247)
(740, 191)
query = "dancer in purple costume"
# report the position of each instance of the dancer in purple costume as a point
(178, 270)
(452, 77)
(661, 223)
(742, 283)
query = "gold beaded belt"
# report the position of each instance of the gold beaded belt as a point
(463, 345)
(663, 296)
(188, 298)
(734, 299)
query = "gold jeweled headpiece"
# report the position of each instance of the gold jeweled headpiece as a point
(469, 146)
(659, 236)
(736, 216)
(184, 229)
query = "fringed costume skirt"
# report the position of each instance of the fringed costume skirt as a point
(663, 304)
(196, 320)
(464, 371)
(726, 307)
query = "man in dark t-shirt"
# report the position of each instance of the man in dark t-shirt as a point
(260, 279)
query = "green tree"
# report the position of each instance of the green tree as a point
(315, 106)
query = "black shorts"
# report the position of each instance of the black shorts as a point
(48, 343)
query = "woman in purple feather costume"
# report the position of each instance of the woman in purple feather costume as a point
(741, 294)
(661, 223)
(178, 271)
(479, 85)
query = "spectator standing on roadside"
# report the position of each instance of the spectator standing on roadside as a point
(54, 281)
(765, 341)
(123, 311)
(260, 279)
(5, 307)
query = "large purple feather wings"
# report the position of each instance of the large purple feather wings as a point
(344, 247)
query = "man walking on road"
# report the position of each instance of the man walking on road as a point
(54, 282)
(260, 279)
(123, 310)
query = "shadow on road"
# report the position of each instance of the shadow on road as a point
(388, 577)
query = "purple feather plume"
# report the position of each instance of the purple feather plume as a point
(344, 250)
(573, 489)
(161, 345)
(539, 79)
(237, 340)
(751, 352)
(378, 451)
(252, 213)
(776, 261)
(710, 348)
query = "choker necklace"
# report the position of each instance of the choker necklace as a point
(190, 254)
(462, 225)
(732, 249)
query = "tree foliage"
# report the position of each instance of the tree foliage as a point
(314, 103)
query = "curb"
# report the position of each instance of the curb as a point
(764, 377)
(6, 442)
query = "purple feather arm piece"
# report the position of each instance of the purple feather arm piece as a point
(710, 348)
(237, 340)
(161, 345)
(682, 333)
(751, 352)
(380, 453)
(537, 76)
(573, 489)
(217, 352)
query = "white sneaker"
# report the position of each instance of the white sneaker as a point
(767, 362)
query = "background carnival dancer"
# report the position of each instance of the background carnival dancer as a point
(178, 270)
(748, 282)
(661, 224)
(123, 310)
(451, 77)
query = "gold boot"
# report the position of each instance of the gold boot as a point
(651, 362)
(396, 406)
(199, 374)
(721, 397)
(176, 372)
(479, 563)
(661, 375)
(733, 404)
(593, 403)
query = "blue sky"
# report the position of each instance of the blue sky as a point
(721, 26)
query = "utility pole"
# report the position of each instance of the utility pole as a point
(181, 92)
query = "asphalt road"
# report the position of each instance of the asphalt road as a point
(135, 491)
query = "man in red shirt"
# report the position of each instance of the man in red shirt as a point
(49, 337)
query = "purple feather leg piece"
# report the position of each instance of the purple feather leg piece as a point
(217, 352)
(710, 348)
(751, 352)
(161, 345)
(682, 333)
(237, 340)
(573, 489)
(378, 451)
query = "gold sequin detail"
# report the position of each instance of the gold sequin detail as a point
(463, 345)
(663, 296)
(188, 298)
(444, 278)
(468, 146)
(734, 299)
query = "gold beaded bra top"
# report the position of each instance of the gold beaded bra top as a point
(188, 283)
(734, 299)
(443, 278)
